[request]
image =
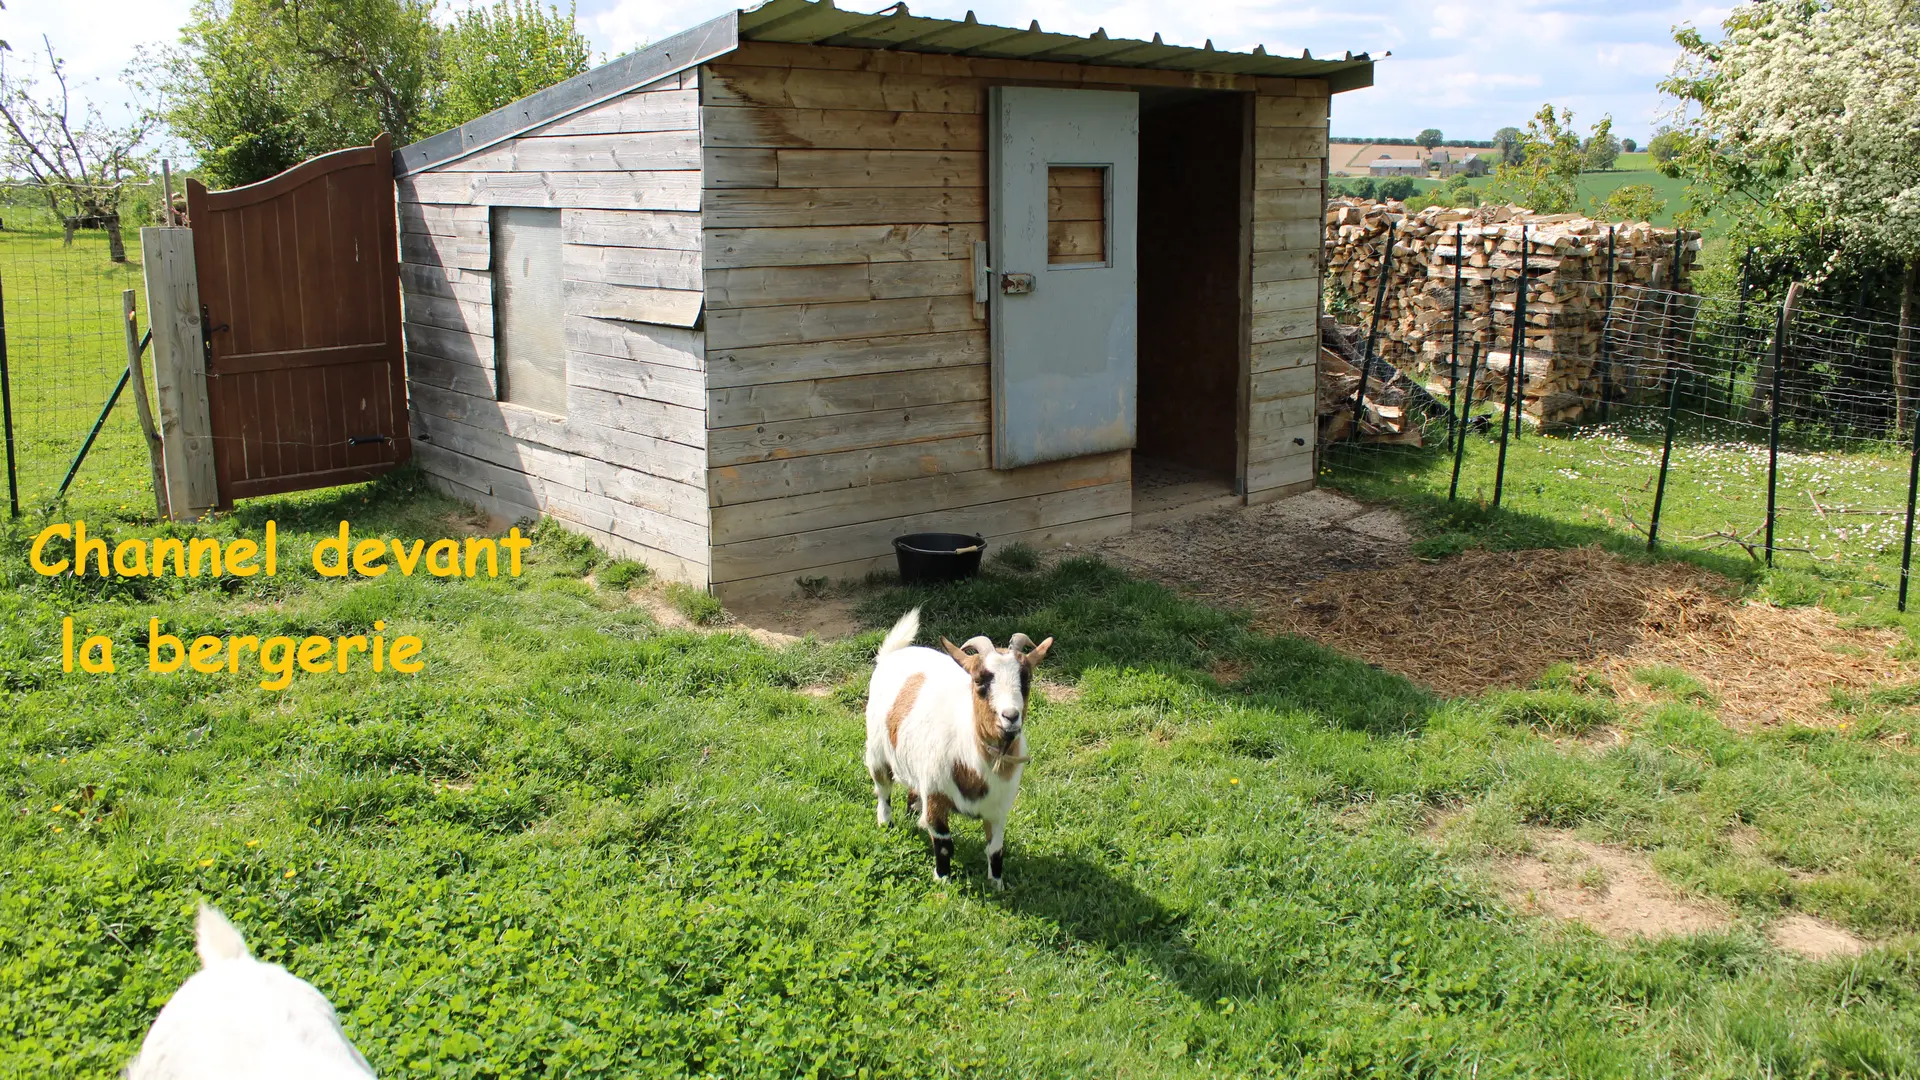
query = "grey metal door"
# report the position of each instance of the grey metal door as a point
(1063, 190)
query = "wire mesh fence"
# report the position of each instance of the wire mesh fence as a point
(65, 352)
(1743, 433)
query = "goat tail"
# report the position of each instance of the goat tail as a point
(216, 939)
(902, 634)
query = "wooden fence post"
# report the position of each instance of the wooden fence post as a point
(179, 372)
(156, 451)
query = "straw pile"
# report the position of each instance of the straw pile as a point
(1566, 293)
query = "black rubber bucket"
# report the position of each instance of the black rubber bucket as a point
(930, 557)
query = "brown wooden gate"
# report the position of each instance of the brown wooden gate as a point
(300, 286)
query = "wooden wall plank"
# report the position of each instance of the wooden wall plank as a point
(592, 191)
(631, 303)
(685, 387)
(779, 587)
(670, 346)
(648, 151)
(766, 403)
(654, 268)
(734, 167)
(945, 491)
(1272, 110)
(789, 207)
(464, 222)
(672, 423)
(878, 168)
(462, 347)
(461, 317)
(1284, 325)
(1270, 174)
(825, 359)
(642, 110)
(451, 282)
(838, 244)
(580, 436)
(843, 129)
(800, 551)
(738, 328)
(826, 435)
(440, 250)
(782, 478)
(673, 231)
(451, 374)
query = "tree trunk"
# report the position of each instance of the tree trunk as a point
(1903, 347)
(116, 247)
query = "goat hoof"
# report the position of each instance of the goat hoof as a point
(999, 884)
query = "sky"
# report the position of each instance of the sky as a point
(1467, 68)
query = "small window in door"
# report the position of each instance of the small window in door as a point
(530, 348)
(1077, 215)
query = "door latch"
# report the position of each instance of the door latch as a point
(1016, 284)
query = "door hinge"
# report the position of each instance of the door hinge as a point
(1016, 284)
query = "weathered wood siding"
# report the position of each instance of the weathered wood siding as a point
(847, 396)
(1289, 200)
(627, 464)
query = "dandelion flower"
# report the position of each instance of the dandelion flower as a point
(57, 807)
(1233, 780)
(253, 843)
(289, 873)
(57, 828)
(204, 863)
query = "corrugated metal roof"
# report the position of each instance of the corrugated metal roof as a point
(818, 22)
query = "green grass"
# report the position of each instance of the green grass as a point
(579, 845)
(1594, 187)
(1840, 505)
(65, 350)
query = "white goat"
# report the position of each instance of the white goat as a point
(949, 726)
(240, 1019)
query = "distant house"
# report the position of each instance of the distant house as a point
(1387, 166)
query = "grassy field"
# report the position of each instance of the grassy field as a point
(1594, 187)
(65, 351)
(1839, 518)
(580, 845)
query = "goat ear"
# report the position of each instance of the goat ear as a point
(964, 659)
(1032, 659)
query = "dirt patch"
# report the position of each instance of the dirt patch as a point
(1328, 568)
(786, 622)
(1056, 691)
(1485, 619)
(1610, 889)
(1815, 939)
(1244, 556)
(1764, 664)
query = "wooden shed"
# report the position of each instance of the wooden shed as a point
(752, 301)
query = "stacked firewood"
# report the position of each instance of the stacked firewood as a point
(1566, 269)
(1389, 414)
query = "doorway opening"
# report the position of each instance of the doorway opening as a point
(1192, 278)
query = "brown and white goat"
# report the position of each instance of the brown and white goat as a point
(950, 726)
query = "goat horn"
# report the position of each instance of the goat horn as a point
(1021, 644)
(980, 645)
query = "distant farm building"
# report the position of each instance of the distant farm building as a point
(1387, 166)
